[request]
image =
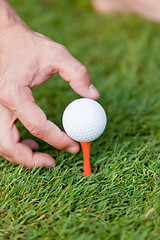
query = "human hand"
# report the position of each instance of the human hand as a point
(28, 59)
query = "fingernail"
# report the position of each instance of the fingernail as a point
(50, 164)
(72, 149)
(94, 91)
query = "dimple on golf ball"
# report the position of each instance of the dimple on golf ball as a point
(84, 120)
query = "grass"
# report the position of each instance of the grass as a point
(121, 200)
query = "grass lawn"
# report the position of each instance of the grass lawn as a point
(121, 199)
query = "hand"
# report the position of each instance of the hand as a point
(28, 59)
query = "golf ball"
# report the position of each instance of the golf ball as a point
(84, 120)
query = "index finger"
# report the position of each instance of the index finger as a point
(71, 70)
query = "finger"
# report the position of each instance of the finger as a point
(31, 143)
(76, 74)
(34, 119)
(20, 153)
(23, 155)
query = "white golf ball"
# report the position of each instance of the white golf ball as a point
(84, 120)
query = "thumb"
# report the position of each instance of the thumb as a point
(71, 70)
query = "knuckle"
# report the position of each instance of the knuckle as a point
(60, 49)
(82, 71)
(37, 130)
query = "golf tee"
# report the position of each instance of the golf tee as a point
(86, 146)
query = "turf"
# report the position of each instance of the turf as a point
(121, 199)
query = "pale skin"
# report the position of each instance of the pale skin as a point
(28, 59)
(149, 9)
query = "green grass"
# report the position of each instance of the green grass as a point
(121, 199)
